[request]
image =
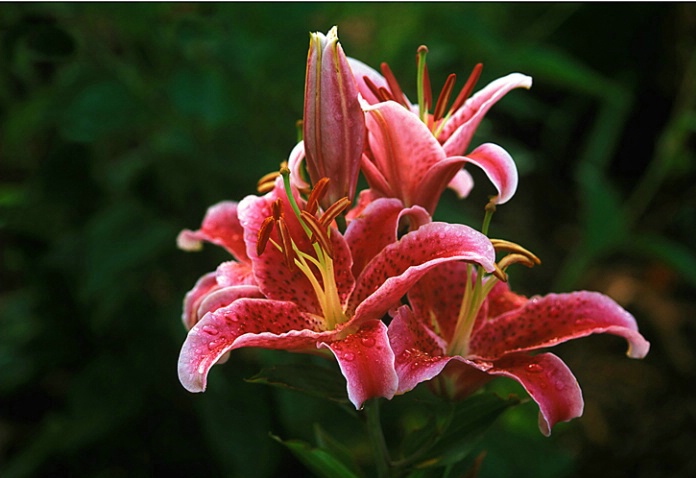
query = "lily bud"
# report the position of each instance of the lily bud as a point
(334, 122)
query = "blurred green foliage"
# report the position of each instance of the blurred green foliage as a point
(121, 123)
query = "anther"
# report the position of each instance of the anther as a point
(396, 91)
(316, 195)
(267, 182)
(333, 211)
(500, 273)
(501, 245)
(288, 252)
(444, 97)
(511, 259)
(319, 233)
(467, 88)
(264, 235)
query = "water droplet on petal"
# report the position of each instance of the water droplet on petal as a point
(559, 385)
(212, 345)
(582, 322)
(210, 330)
(348, 356)
(534, 368)
(368, 341)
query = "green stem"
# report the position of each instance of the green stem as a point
(379, 446)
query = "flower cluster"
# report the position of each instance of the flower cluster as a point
(371, 279)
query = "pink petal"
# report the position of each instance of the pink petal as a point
(225, 296)
(334, 122)
(460, 128)
(404, 150)
(204, 286)
(377, 227)
(360, 71)
(245, 323)
(365, 198)
(221, 227)
(367, 362)
(374, 177)
(498, 166)
(435, 181)
(556, 318)
(419, 353)
(400, 265)
(234, 273)
(297, 156)
(462, 183)
(548, 381)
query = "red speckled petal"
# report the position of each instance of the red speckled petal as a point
(438, 297)
(460, 128)
(225, 296)
(419, 354)
(403, 148)
(245, 323)
(204, 286)
(555, 318)
(501, 300)
(498, 166)
(377, 227)
(221, 227)
(367, 362)
(549, 382)
(400, 265)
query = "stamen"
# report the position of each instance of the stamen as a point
(333, 211)
(286, 240)
(511, 259)
(393, 84)
(264, 235)
(467, 88)
(381, 93)
(427, 90)
(501, 245)
(277, 209)
(319, 233)
(316, 195)
(500, 274)
(267, 182)
(444, 97)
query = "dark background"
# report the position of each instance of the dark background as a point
(121, 123)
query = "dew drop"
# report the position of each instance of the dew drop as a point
(212, 345)
(368, 341)
(559, 385)
(534, 368)
(210, 330)
(582, 322)
(348, 356)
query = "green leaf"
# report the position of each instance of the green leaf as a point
(306, 378)
(321, 462)
(467, 422)
(335, 448)
(601, 213)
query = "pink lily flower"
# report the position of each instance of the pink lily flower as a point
(334, 124)
(463, 345)
(232, 279)
(453, 129)
(325, 290)
(407, 162)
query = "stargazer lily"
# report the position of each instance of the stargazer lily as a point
(405, 160)
(453, 128)
(461, 331)
(325, 290)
